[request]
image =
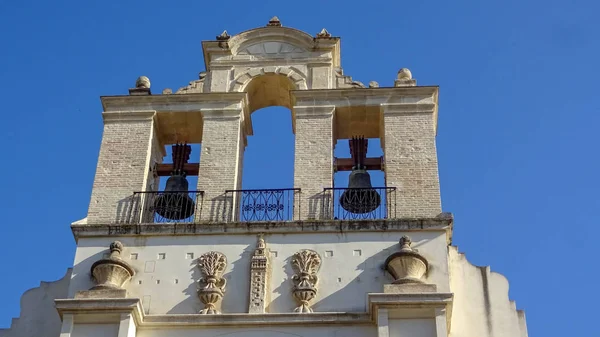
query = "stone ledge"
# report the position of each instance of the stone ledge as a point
(290, 227)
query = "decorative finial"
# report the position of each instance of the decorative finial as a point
(115, 249)
(167, 91)
(223, 37)
(274, 22)
(404, 74)
(142, 82)
(142, 86)
(405, 243)
(404, 79)
(260, 243)
(323, 34)
(373, 84)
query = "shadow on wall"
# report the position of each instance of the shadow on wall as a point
(352, 293)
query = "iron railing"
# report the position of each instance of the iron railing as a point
(265, 204)
(165, 207)
(359, 203)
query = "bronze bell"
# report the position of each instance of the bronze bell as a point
(360, 197)
(175, 203)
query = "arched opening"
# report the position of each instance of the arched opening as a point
(268, 192)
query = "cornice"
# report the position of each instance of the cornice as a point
(173, 102)
(440, 224)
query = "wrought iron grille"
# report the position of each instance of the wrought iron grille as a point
(265, 205)
(359, 203)
(165, 207)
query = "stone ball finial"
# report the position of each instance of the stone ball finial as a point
(373, 84)
(167, 91)
(404, 74)
(142, 82)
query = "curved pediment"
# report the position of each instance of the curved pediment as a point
(265, 40)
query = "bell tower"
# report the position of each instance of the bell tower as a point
(210, 258)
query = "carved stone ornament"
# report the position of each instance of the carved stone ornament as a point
(274, 22)
(323, 34)
(142, 86)
(405, 79)
(223, 36)
(212, 283)
(112, 272)
(306, 263)
(406, 266)
(259, 278)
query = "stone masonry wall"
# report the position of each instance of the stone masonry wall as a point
(411, 162)
(123, 167)
(313, 163)
(220, 163)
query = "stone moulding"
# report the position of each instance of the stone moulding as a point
(212, 283)
(406, 266)
(112, 272)
(306, 263)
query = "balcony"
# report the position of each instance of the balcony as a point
(262, 205)
(359, 203)
(265, 204)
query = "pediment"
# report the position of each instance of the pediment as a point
(271, 48)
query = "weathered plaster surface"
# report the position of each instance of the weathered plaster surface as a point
(38, 316)
(481, 303)
(166, 268)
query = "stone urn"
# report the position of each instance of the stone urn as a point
(112, 272)
(304, 292)
(406, 265)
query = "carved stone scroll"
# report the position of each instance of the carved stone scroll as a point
(212, 283)
(259, 278)
(306, 263)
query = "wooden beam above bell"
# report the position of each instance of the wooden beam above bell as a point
(346, 164)
(164, 170)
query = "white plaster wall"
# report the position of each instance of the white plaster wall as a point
(95, 330)
(351, 268)
(481, 304)
(38, 316)
(291, 331)
(415, 327)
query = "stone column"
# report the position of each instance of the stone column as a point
(67, 325)
(383, 328)
(127, 326)
(411, 159)
(126, 155)
(313, 163)
(441, 326)
(223, 144)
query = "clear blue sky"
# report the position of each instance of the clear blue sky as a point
(517, 143)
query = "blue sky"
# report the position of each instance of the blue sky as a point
(517, 142)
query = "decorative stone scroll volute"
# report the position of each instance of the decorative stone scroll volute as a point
(112, 272)
(260, 278)
(212, 283)
(407, 265)
(306, 263)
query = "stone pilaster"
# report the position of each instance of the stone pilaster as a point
(259, 278)
(411, 159)
(126, 156)
(313, 163)
(223, 143)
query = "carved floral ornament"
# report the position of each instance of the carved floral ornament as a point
(306, 263)
(212, 284)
